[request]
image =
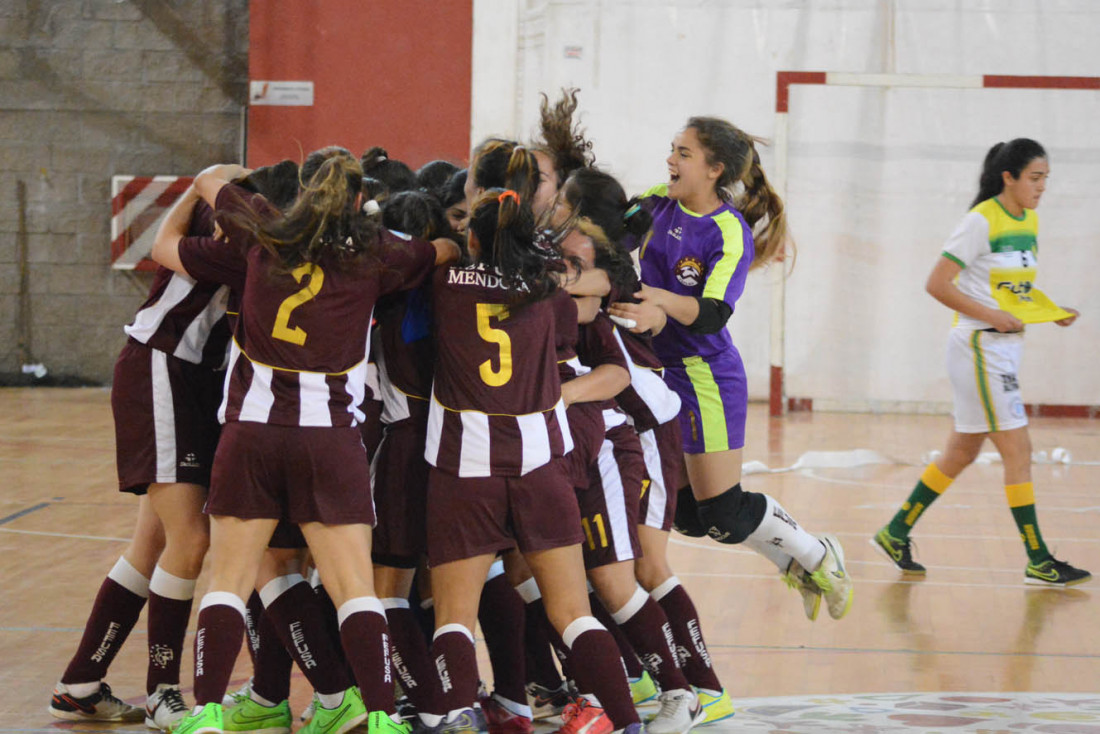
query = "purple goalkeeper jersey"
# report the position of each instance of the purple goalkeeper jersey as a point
(698, 255)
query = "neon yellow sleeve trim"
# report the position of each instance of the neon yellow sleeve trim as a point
(733, 247)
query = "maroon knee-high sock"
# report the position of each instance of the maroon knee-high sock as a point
(411, 660)
(114, 613)
(631, 662)
(255, 612)
(366, 639)
(688, 634)
(272, 663)
(219, 635)
(541, 669)
(599, 669)
(456, 661)
(650, 634)
(298, 619)
(170, 599)
(501, 615)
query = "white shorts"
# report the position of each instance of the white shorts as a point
(983, 368)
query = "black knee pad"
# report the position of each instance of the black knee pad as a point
(733, 515)
(686, 520)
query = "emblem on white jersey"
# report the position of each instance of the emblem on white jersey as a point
(689, 271)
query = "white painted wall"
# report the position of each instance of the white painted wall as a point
(878, 178)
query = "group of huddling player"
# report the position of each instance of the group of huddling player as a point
(360, 386)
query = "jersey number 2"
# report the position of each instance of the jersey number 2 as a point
(491, 377)
(283, 330)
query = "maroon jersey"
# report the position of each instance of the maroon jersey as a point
(182, 316)
(597, 346)
(404, 352)
(647, 400)
(299, 350)
(496, 406)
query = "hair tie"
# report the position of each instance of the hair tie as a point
(509, 194)
(632, 211)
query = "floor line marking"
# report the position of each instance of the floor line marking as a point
(64, 535)
(21, 513)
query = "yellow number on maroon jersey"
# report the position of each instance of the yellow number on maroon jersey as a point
(283, 330)
(491, 377)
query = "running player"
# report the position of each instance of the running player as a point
(986, 275)
(694, 264)
(290, 446)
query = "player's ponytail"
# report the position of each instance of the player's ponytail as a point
(743, 184)
(1013, 156)
(562, 140)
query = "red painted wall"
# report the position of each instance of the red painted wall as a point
(394, 73)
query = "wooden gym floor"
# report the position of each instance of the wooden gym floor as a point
(968, 648)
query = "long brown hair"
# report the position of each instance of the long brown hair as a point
(562, 139)
(757, 201)
(324, 223)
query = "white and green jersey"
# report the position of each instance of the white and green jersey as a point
(998, 253)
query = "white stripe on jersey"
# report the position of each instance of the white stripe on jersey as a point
(662, 402)
(435, 430)
(613, 418)
(536, 441)
(195, 336)
(473, 456)
(614, 497)
(313, 399)
(563, 424)
(356, 387)
(658, 492)
(257, 402)
(395, 405)
(578, 369)
(164, 418)
(148, 320)
(234, 355)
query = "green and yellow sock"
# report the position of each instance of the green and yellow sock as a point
(1021, 500)
(932, 484)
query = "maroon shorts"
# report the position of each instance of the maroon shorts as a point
(664, 463)
(399, 478)
(166, 418)
(287, 535)
(472, 516)
(291, 473)
(587, 429)
(609, 507)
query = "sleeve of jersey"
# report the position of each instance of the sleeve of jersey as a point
(726, 281)
(233, 199)
(969, 240)
(213, 261)
(598, 345)
(406, 261)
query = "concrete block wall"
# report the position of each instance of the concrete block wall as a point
(91, 89)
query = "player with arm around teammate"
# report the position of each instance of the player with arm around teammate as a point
(694, 265)
(290, 447)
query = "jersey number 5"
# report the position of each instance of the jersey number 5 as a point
(491, 377)
(283, 330)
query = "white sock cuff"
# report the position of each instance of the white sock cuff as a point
(497, 569)
(315, 578)
(359, 604)
(225, 599)
(277, 586)
(171, 587)
(664, 588)
(453, 627)
(395, 602)
(529, 591)
(578, 627)
(129, 578)
(631, 608)
(519, 709)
